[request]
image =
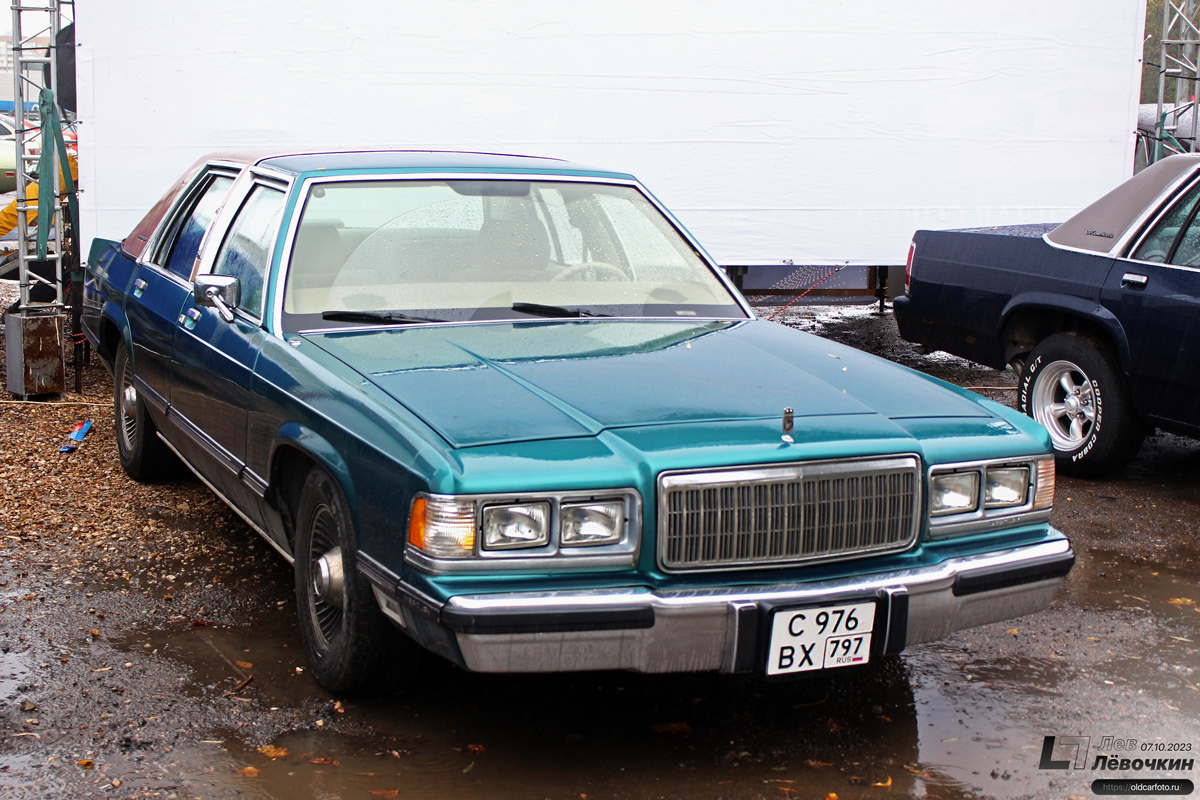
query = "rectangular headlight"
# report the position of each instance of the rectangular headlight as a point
(953, 493)
(513, 526)
(593, 523)
(1007, 487)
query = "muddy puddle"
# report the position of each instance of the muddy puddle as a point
(960, 718)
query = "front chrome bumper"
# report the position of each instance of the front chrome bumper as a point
(722, 629)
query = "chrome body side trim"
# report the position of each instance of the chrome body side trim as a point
(253, 525)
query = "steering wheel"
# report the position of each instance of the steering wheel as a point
(602, 270)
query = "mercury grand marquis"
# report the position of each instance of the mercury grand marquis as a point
(509, 406)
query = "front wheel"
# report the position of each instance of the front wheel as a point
(1073, 387)
(344, 632)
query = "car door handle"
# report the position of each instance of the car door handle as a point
(189, 318)
(139, 286)
(1134, 281)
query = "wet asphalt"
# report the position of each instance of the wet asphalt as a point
(148, 648)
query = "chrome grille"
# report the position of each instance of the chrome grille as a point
(789, 514)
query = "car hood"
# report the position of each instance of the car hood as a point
(489, 383)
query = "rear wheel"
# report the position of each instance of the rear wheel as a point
(1073, 387)
(345, 634)
(143, 455)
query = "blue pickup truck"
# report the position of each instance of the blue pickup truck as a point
(1100, 316)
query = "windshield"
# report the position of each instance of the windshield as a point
(405, 252)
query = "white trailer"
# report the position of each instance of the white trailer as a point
(781, 133)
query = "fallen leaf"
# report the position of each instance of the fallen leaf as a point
(885, 718)
(1014, 631)
(884, 784)
(916, 771)
(116, 782)
(248, 772)
(1182, 601)
(329, 761)
(200, 623)
(469, 767)
(271, 751)
(86, 763)
(244, 664)
(386, 792)
(812, 763)
(831, 796)
(671, 728)
(476, 748)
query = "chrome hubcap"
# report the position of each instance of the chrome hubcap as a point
(129, 400)
(328, 578)
(326, 582)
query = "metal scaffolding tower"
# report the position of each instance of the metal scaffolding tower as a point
(34, 333)
(1178, 76)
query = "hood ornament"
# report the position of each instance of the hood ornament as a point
(789, 422)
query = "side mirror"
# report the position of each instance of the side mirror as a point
(222, 292)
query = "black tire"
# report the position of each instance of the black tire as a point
(1073, 386)
(345, 634)
(143, 455)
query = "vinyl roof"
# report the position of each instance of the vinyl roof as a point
(1106, 225)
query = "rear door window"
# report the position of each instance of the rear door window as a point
(178, 249)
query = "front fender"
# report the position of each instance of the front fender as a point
(320, 451)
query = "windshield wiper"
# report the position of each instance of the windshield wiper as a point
(392, 317)
(539, 310)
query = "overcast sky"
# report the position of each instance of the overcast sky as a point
(32, 22)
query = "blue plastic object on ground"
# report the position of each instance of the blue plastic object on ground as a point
(81, 430)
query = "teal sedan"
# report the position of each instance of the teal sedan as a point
(511, 408)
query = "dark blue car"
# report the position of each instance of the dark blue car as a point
(1099, 316)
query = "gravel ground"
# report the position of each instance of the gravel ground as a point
(92, 586)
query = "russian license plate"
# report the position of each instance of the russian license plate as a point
(823, 637)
